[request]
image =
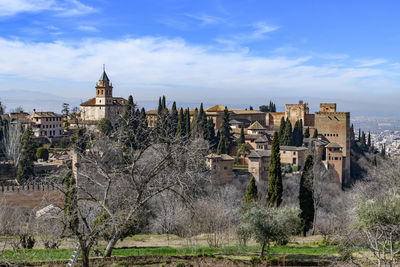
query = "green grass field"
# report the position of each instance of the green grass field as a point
(34, 255)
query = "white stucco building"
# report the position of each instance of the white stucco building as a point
(104, 105)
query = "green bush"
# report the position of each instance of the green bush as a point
(42, 153)
(180, 264)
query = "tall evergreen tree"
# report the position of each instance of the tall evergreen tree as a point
(163, 103)
(352, 133)
(282, 130)
(275, 187)
(288, 134)
(241, 139)
(251, 191)
(315, 134)
(359, 134)
(226, 130)
(27, 157)
(195, 124)
(369, 139)
(202, 122)
(187, 123)
(210, 134)
(221, 148)
(298, 133)
(174, 119)
(180, 131)
(307, 132)
(363, 140)
(383, 151)
(160, 107)
(306, 196)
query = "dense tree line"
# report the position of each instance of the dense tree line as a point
(268, 108)
(289, 136)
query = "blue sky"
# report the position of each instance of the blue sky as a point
(235, 53)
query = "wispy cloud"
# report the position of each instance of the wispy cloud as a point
(371, 62)
(261, 29)
(256, 32)
(59, 7)
(206, 19)
(86, 28)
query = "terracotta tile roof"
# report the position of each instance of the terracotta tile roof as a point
(256, 126)
(293, 148)
(259, 153)
(217, 108)
(334, 145)
(117, 101)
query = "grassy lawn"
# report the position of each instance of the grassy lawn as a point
(24, 255)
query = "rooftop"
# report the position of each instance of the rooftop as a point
(256, 126)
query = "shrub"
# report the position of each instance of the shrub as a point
(180, 264)
(42, 153)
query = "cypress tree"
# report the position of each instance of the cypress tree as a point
(210, 135)
(288, 134)
(174, 119)
(195, 124)
(359, 134)
(363, 140)
(369, 139)
(307, 132)
(226, 130)
(315, 134)
(180, 130)
(251, 191)
(383, 151)
(352, 134)
(275, 187)
(160, 107)
(202, 122)
(306, 197)
(27, 157)
(187, 123)
(282, 130)
(163, 103)
(221, 148)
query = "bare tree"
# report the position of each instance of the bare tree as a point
(12, 142)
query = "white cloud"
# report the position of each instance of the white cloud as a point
(61, 8)
(371, 62)
(206, 19)
(86, 28)
(152, 66)
(261, 29)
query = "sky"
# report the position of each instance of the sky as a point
(228, 52)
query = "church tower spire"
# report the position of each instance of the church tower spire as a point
(104, 90)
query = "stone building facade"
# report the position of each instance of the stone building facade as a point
(220, 167)
(47, 124)
(332, 125)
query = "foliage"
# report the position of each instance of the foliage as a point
(105, 126)
(42, 153)
(270, 225)
(298, 133)
(306, 198)
(287, 139)
(241, 139)
(25, 164)
(268, 108)
(378, 221)
(251, 191)
(315, 134)
(275, 187)
(307, 133)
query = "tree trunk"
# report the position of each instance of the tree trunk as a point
(85, 255)
(111, 245)
(262, 250)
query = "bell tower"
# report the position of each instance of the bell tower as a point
(104, 90)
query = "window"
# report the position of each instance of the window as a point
(294, 161)
(294, 153)
(336, 158)
(225, 168)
